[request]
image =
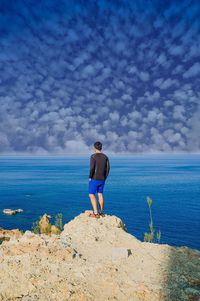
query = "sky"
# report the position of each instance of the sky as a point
(126, 73)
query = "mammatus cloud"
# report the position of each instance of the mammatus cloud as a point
(125, 73)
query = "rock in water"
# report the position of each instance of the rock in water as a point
(78, 264)
(12, 211)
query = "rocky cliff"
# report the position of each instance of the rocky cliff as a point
(96, 259)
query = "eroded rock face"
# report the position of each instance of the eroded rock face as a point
(96, 259)
(9, 234)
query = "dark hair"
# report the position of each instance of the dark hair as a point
(98, 145)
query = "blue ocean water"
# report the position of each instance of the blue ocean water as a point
(53, 185)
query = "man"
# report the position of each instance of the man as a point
(99, 170)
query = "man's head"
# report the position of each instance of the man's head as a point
(98, 146)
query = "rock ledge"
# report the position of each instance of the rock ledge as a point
(96, 259)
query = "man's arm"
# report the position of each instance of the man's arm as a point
(92, 167)
(107, 167)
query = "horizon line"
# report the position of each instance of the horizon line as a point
(110, 154)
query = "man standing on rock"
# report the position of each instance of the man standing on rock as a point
(99, 170)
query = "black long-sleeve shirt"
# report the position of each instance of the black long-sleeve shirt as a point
(99, 166)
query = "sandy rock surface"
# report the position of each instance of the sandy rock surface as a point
(10, 234)
(96, 259)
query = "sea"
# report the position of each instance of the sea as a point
(59, 184)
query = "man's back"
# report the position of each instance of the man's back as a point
(99, 166)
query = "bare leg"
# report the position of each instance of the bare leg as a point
(93, 202)
(101, 201)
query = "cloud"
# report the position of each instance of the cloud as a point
(73, 73)
(178, 112)
(76, 147)
(165, 83)
(144, 76)
(193, 134)
(176, 50)
(192, 71)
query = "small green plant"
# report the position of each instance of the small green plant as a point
(150, 237)
(36, 227)
(47, 230)
(58, 221)
(158, 235)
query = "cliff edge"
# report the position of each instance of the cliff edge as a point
(93, 260)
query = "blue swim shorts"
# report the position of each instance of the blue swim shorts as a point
(96, 186)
